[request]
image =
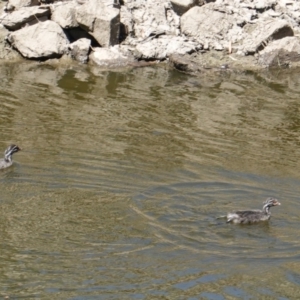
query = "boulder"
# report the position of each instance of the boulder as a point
(109, 57)
(64, 15)
(101, 21)
(162, 47)
(280, 53)
(259, 34)
(42, 40)
(182, 6)
(152, 16)
(207, 25)
(17, 19)
(80, 49)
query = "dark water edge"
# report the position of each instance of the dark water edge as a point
(123, 173)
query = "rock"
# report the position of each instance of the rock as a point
(152, 16)
(109, 57)
(80, 50)
(280, 53)
(184, 64)
(214, 62)
(221, 25)
(182, 6)
(8, 7)
(6, 52)
(289, 11)
(19, 18)
(64, 15)
(42, 40)
(156, 30)
(23, 3)
(127, 24)
(101, 21)
(164, 46)
(257, 35)
(206, 25)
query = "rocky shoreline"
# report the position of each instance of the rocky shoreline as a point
(192, 35)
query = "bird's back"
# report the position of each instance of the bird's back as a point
(247, 216)
(4, 163)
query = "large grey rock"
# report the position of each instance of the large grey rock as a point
(109, 57)
(64, 15)
(102, 21)
(42, 40)
(80, 50)
(152, 16)
(162, 47)
(259, 34)
(182, 6)
(280, 53)
(19, 18)
(206, 25)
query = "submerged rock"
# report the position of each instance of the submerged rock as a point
(184, 64)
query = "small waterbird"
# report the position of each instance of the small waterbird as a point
(7, 160)
(254, 215)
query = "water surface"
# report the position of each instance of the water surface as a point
(123, 173)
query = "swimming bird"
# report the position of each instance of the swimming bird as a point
(253, 216)
(7, 160)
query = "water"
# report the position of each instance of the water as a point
(122, 175)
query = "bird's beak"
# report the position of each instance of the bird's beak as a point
(278, 203)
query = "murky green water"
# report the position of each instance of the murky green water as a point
(122, 176)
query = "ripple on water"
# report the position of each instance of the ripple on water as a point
(124, 173)
(185, 213)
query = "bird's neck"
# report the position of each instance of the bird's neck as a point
(7, 158)
(266, 209)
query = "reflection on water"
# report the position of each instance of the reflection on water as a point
(123, 174)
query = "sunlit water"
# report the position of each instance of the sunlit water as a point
(123, 174)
